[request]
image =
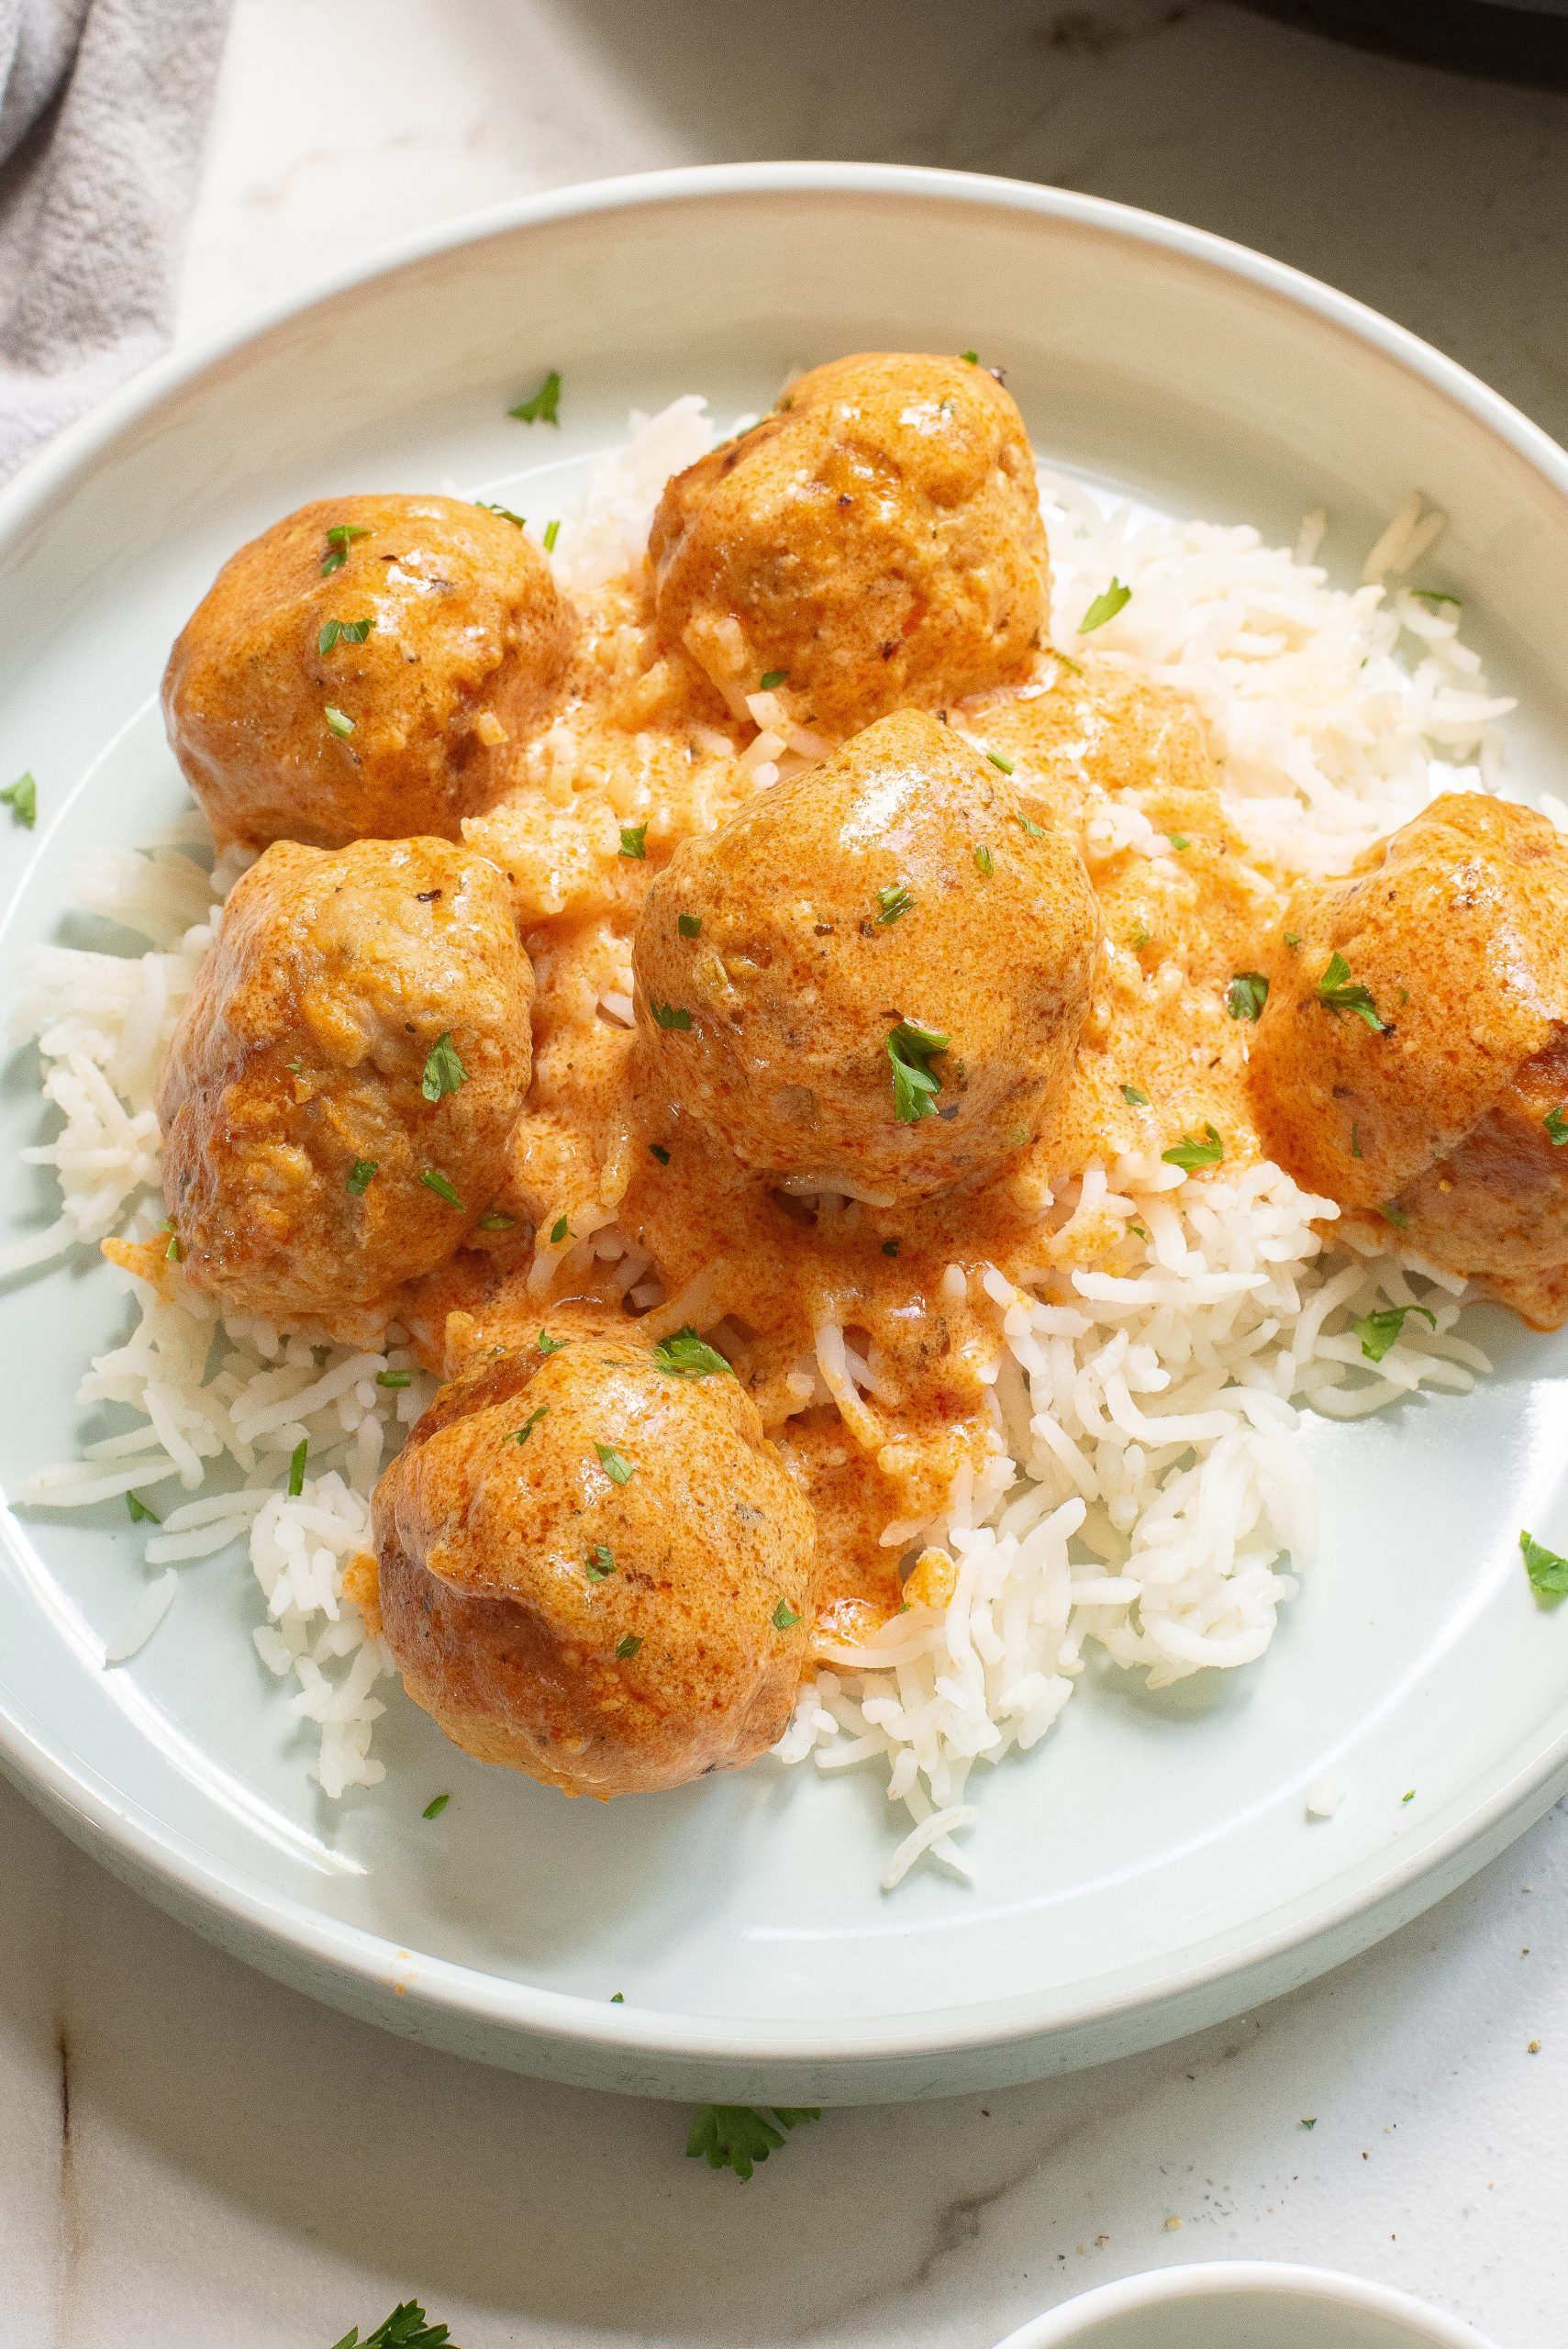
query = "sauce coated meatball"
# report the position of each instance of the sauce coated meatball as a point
(875, 543)
(340, 1091)
(876, 973)
(1412, 1058)
(295, 720)
(596, 1568)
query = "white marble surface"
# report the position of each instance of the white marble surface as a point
(192, 2157)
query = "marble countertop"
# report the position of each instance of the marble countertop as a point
(196, 2158)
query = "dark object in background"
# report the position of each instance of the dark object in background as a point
(1506, 40)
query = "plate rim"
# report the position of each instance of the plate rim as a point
(212, 1895)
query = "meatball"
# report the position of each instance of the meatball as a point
(338, 1094)
(594, 1567)
(876, 973)
(874, 543)
(359, 669)
(1412, 1058)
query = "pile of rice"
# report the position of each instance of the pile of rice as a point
(1143, 1486)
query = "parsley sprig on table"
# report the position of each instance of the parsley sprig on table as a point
(405, 2328)
(737, 2136)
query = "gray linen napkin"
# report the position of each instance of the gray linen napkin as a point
(103, 106)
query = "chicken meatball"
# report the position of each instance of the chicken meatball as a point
(1412, 1058)
(594, 1568)
(359, 671)
(874, 543)
(338, 1094)
(876, 973)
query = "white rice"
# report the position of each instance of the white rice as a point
(1143, 1489)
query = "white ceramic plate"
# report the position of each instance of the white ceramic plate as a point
(1150, 1868)
(1244, 2304)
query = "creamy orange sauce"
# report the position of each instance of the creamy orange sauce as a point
(643, 753)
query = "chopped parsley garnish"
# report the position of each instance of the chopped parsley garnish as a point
(1291, 939)
(139, 1513)
(435, 1807)
(1178, 841)
(1556, 1124)
(1189, 1156)
(689, 925)
(1435, 596)
(617, 1998)
(890, 1247)
(657, 1150)
(619, 1470)
(1310, 2124)
(22, 799)
(599, 1564)
(405, 2328)
(295, 1067)
(395, 1378)
(174, 1253)
(1546, 1571)
(1338, 992)
(551, 532)
(892, 903)
(521, 1435)
(634, 839)
(1036, 831)
(1356, 1150)
(497, 1221)
(1106, 605)
(627, 1648)
(985, 862)
(443, 1070)
(1138, 936)
(361, 1175)
(1393, 1214)
(973, 357)
(339, 540)
(559, 1231)
(298, 1459)
(1377, 1331)
(737, 2136)
(771, 677)
(1246, 994)
(686, 1355)
(998, 761)
(671, 1015)
(343, 632)
(541, 407)
(1408, 1797)
(911, 1049)
(1134, 1098)
(505, 512)
(338, 722)
(547, 1344)
(785, 1617)
(434, 1180)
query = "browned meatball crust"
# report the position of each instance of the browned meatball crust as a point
(596, 1569)
(1422, 1077)
(307, 1168)
(877, 540)
(787, 964)
(295, 720)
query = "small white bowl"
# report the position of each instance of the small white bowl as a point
(1244, 2304)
